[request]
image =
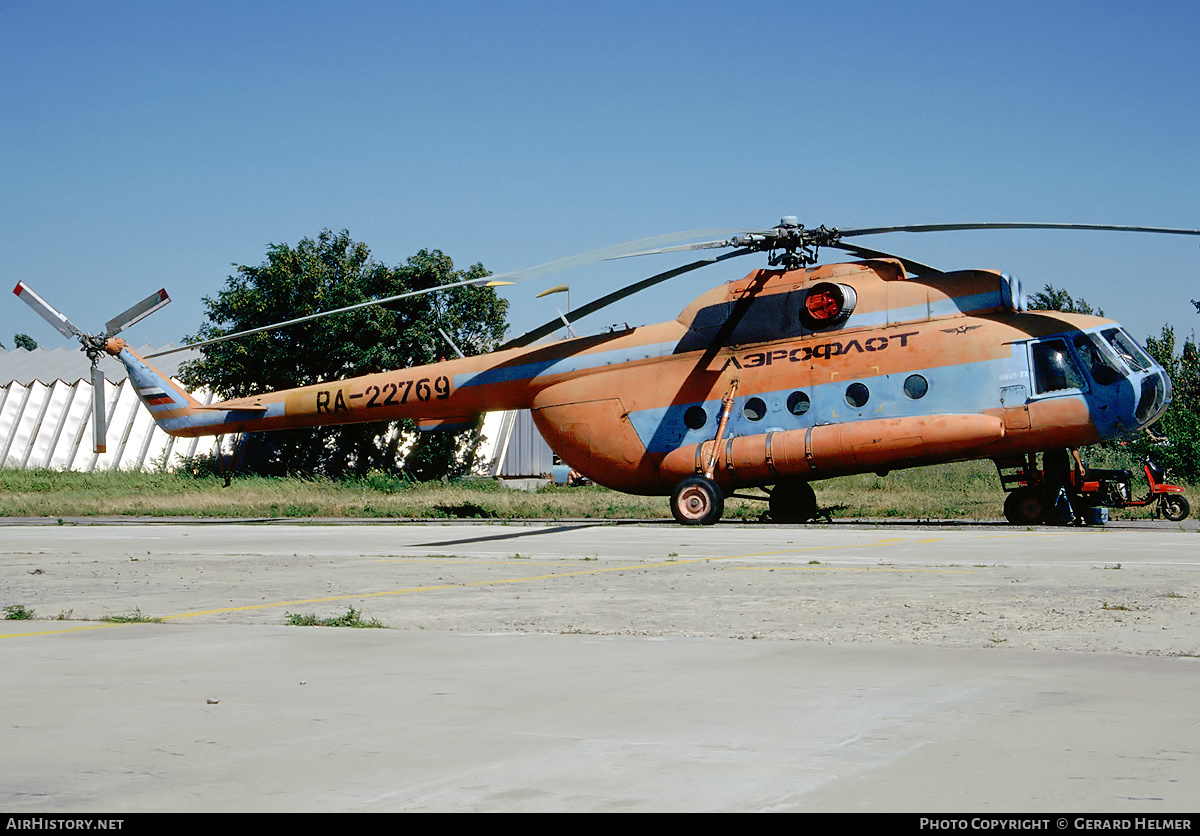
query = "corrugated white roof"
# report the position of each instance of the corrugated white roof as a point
(46, 365)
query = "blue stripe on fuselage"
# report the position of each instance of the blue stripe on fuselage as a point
(956, 389)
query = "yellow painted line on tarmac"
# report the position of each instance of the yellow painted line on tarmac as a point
(495, 582)
(448, 559)
(433, 588)
(1067, 533)
(528, 579)
(855, 569)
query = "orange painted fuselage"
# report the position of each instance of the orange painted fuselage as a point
(920, 371)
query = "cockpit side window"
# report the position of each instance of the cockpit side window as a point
(1102, 369)
(1054, 368)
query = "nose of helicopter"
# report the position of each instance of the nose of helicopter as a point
(1155, 397)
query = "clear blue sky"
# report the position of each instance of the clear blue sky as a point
(149, 144)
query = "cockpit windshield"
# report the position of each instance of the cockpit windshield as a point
(1127, 350)
(1100, 363)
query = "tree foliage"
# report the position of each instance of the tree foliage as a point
(24, 341)
(334, 271)
(1181, 422)
(1053, 299)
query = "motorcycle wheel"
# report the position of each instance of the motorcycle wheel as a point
(1175, 507)
(1025, 506)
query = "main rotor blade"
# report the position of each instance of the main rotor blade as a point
(137, 313)
(718, 244)
(99, 418)
(914, 267)
(616, 251)
(527, 274)
(43, 308)
(616, 296)
(382, 301)
(877, 230)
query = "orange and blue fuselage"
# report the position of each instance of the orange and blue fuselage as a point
(749, 377)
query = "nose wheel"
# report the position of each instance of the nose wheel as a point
(697, 500)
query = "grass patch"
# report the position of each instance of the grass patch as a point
(17, 612)
(964, 490)
(351, 618)
(134, 617)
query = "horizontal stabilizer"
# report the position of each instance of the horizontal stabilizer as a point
(228, 407)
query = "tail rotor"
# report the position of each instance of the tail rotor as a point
(92, 344)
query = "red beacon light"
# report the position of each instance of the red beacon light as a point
(826, 305)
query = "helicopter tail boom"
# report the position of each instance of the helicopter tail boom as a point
(437, 397)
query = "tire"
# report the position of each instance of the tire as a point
(1175, 507)
(793, 502)
(1025, 506)
(697, 500)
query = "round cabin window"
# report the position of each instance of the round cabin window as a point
(695, 418)
(857, 395)
(797, 403)
(915, 386)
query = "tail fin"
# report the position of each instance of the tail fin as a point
(178, 413)
(166, 400)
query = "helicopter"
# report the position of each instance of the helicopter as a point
(795, 373)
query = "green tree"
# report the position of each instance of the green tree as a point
(24, 341)
(1181, 422)
(334, 271)
(1053, 299)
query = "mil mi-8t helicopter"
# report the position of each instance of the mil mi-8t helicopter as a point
(796, 372)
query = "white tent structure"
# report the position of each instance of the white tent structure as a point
(46, 416)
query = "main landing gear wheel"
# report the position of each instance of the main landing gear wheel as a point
(792, 502)
(697, 500)
(1175, 508)
(1025, 506)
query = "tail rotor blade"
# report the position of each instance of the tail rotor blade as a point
(99, 417)
(43, 309)
(137, 313)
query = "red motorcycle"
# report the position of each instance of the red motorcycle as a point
(1114, 489)
(1035, 500)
